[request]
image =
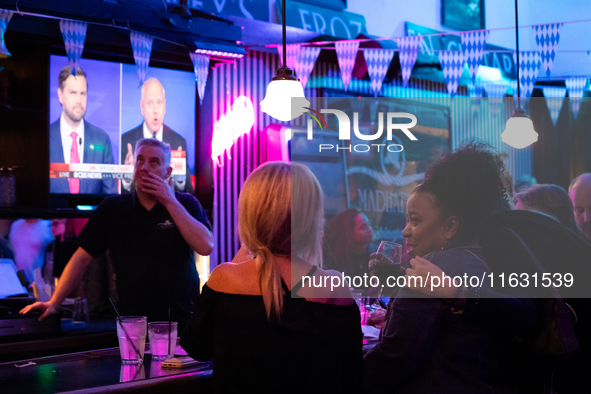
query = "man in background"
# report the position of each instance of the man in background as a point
(151, 234)
(580, 194)
(74, 140)
(153, 108)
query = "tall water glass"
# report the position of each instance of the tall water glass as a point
(131, 331)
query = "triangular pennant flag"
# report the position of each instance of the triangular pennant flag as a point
(547, 37)
(292, 53)
(74, 34)
(346, 55)
(575, 88)
(408, 48)
(554, 99)
(529, 66)
(473, 44)
(495, 94)
(201, 67)
(452, 64)
(378, 62)
(305, 63)
(142, 49)
(5, 16)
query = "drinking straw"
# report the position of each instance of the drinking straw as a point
(169, 329)
(124, 330)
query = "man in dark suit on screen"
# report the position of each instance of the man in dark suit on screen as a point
(153, 108)
(74, 140)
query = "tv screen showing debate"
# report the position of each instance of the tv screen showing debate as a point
(97, 116)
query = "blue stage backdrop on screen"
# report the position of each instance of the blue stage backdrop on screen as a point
(179, 89)
(102, 106)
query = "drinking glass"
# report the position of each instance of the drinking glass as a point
(131, 331)
(390, 266)
(162, 337)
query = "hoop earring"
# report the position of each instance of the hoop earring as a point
(444, 245)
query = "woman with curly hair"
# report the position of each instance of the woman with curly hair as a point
(348, 235)
(430, 344)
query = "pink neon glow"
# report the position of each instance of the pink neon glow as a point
(231, 126)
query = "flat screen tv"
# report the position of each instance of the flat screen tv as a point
(97, 117)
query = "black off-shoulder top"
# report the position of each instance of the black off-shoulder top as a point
(313, 347)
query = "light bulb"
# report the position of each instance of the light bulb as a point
(519, 131)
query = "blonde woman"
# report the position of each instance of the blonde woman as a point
(262, 333)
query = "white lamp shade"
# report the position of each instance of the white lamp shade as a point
(519, 132)
(278, 100)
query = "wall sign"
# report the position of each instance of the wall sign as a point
(340, 24)
(463, 14)
(251, 9)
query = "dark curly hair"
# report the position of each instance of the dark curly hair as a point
(468, 183)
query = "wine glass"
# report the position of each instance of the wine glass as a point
(389, 266)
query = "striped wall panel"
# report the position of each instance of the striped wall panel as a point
(249, 76)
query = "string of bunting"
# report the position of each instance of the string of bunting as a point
(471, 53)
(302, 57)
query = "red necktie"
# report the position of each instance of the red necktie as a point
(74, 158)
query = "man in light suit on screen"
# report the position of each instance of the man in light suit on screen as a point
(73, 140)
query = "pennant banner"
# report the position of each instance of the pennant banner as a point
(292, 53)
(495, 94)
(201, 68)
(378, 62)
(408, 48)
(452, 64)
(305, 63)
(5, 16)
(473, 44)
(575, 88)
(554, 99)
(529, 66)
(346, 55)
(142, 49)
(547, 37)
(74, 34)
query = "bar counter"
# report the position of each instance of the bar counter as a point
(99, 333)
(100, 371)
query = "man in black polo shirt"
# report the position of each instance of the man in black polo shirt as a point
(151, 234)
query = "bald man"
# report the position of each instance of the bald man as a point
(580, 194)
(153, 109)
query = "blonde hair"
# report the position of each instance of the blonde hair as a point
(275, 193)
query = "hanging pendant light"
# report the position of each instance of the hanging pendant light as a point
(284, 86)
(519, 130)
